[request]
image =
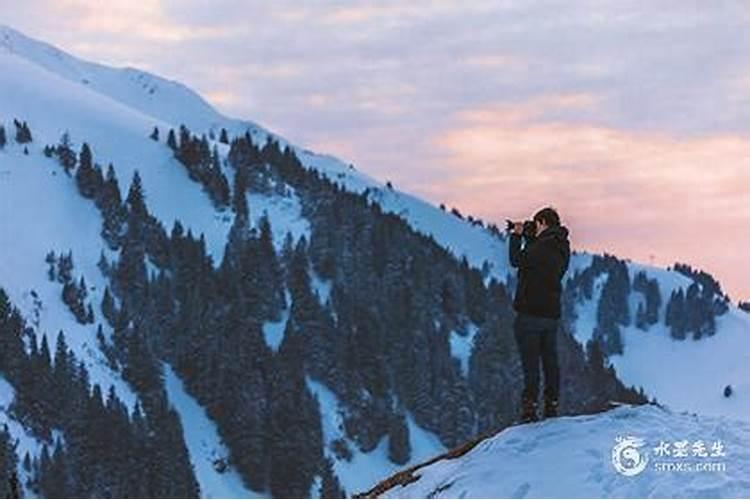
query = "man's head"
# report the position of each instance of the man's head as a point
(544, 218)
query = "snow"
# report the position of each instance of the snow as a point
(586, 311)
(691, 374)
(204, 444)
(684, 375)
(571, 457)
(366, 469)
(462, 344)
(63, 221)
(284, 214)
(166, 100)
(273, 331)
(321, 286)
(116, 133)
(668, 281)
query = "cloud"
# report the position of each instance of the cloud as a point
(634, 193)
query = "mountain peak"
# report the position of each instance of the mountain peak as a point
(164, 99)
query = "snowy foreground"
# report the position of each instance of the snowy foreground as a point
(573, 457)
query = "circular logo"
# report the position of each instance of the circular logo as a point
(627, 458)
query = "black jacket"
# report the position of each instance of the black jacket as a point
(541, 265)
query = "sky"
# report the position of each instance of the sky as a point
(631, 118)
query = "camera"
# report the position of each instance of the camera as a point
(529, 228)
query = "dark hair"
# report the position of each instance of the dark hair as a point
(548, 216)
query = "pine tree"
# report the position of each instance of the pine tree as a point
(330, 486)
(171, 140)
(676, 315)
(217, 184)
(155, 134)
(23, 133)
(272, 275)
(9, 487)
(51, 261)
(65, 154)
(109, 311)
(65, 268)
(103, 264)
(110, 204)
(62, 377)
(294, 426)
(135, 202)
(223, 137)
(239, 199)
(399, 449)
(87, 179)
(131, 268)
(3, 138)
(73, 296)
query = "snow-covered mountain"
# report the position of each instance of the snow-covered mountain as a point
(114, 111)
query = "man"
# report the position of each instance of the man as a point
(541, 264)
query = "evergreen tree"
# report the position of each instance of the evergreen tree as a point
(216, 183)
(270, 268)
(239, 199)
(135, 202)
(109, 311)
(23, 133)
(65, 268)
(172, 140)
(223, 137)
(399, 449)
(110, 204)
(295, 425)
(65, 154)
(131, 268)
(155, 134)
(88, 179)
(676, 315)
(9, 486)
(51, 261)
(330, 486)
(3, 138)
(103, 264)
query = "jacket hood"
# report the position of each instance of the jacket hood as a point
(558, 232)
(558, 236)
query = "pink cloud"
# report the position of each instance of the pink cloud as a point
(638, 194)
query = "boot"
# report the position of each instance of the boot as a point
(550, 407)
(528, 410)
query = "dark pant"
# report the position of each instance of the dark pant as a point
(537, 341)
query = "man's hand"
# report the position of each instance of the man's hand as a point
(517, 227)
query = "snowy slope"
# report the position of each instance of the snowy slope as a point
(204, 444)
(34, 220)
(365, 469)
(162, 99)
(685, 375)
(137, 111)
(571, 457)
